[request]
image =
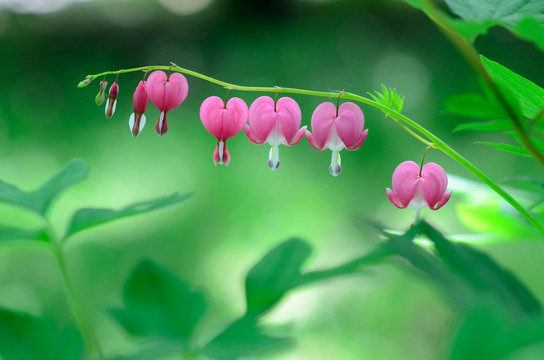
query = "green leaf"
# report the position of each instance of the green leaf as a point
(8, 233)
(488, 332)
(531, 185)
(89, 217)
(23, 336)
(389, 98)
(507, 11)
(529, 95)
(496, 125)
(40, 200)
(531, 29)
(484, 274)
(159, 303)
(539, 144)
(243, 338)
(475, 106)
(275, 274)
(280, 271)
(512, 149)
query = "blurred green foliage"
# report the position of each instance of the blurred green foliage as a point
(241, 211)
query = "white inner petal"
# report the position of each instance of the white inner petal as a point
(334, 142)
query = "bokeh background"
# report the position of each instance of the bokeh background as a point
(239, 212)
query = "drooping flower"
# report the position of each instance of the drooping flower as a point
(166, 93)
(275, 123)
(111, 103)
(137, 119)
(223, 121)
(412, 187)
(337, 130)
(100, 97)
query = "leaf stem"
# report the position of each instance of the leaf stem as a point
(412, 127)
(472, 57)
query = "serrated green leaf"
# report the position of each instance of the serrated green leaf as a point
(539, 144)
(156, 302)
(89, 217)
(40, 200)
(529, 95)
(244, 338)
(512, 149)
(23, 336)
(275, 274)
(475, 106)
(497, 125)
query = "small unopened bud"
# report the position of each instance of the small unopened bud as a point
(100, 97)
(84, 83)
(112, 100)
(137, 119)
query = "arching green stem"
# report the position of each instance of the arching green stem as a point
(412, 127)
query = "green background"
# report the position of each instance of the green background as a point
(241, 211)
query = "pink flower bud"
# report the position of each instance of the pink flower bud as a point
(137, 119)
(223, 122)
(100, 97)
(111, 103)
(419, 189)
(337, 130)
(166, 94)
(274, 123)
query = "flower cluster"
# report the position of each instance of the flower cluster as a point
(277, 122)
(267, 120)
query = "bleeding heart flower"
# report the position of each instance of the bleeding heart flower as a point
(111, 103)
(337, 130)
(137, 119)
(166, 93)
(223, 121)
(412, 187)
(275, 123)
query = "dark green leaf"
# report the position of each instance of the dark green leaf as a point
(539, 144)
(87, 218)
(277, 272)
(39, 200)
(475, 106)
(23, 336)
(159, 303)
(497, 125)
(529, 95)
(484, 275)
(243, 338)
(512, 149)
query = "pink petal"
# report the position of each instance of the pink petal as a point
(166, 93)
(443, 200)
(251, 136)
(359, 141)
(238, 111)
(313, 142)
(434, 184)
(262, 117)
(322, 121)
(349, 124)
(394, 198)
(298, 136)
(140, 98)
(221, 122)
(289, 118)
(405, 182)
